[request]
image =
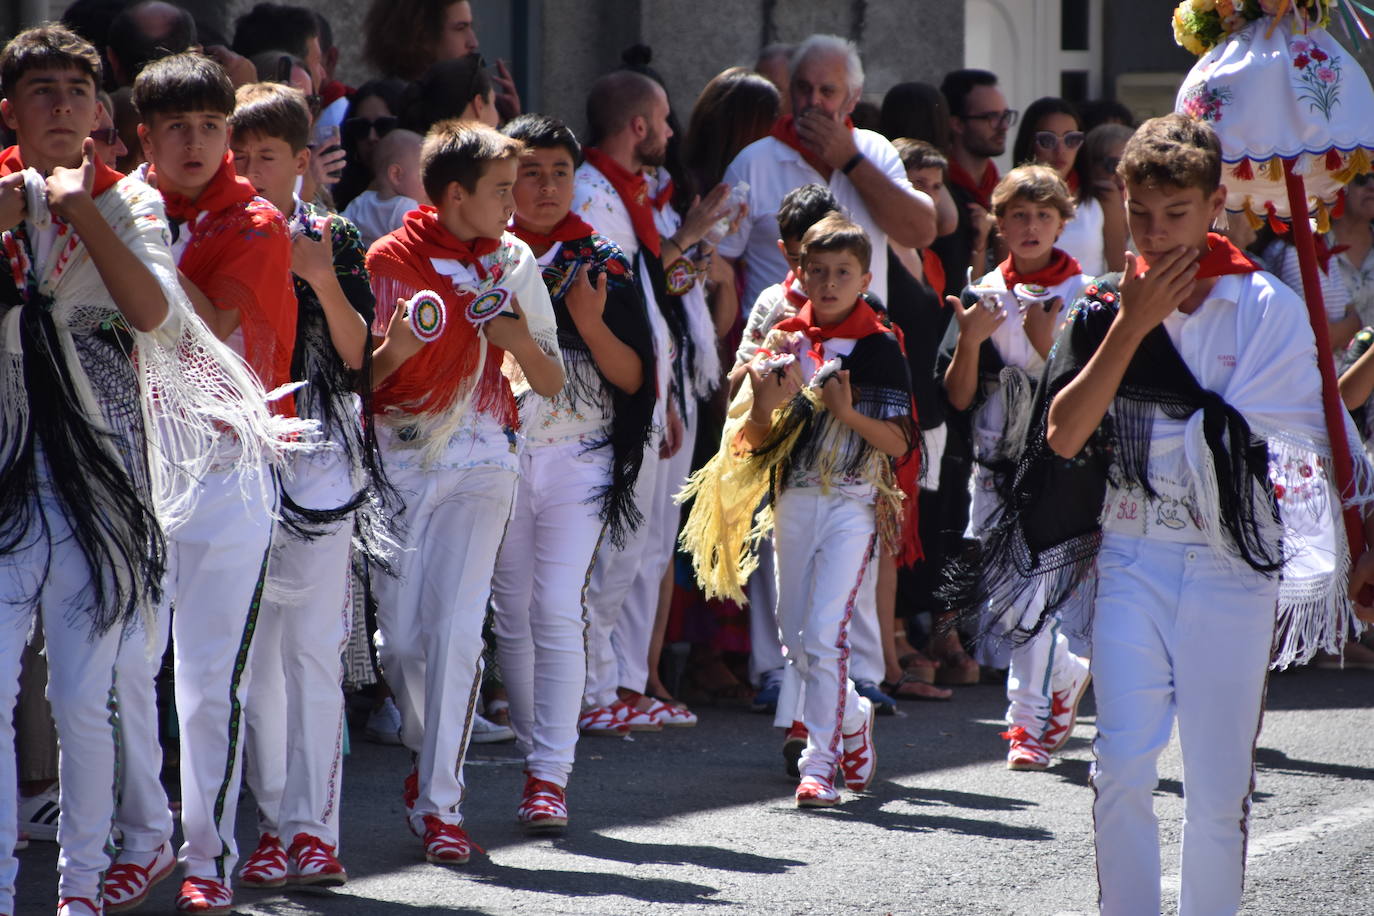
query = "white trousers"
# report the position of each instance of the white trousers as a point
(765, 646)
(430, 617)
(1177, 632)
(215, 579)
(540, 596)
(634, 629)
(825, 549)
(295, 711)
(608, 598)
(81, 673)
(1038, 668)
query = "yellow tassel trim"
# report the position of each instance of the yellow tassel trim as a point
(1254, 219)
(1323, 217)
(1273, 169)
(1357, 164)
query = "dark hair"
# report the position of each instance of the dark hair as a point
(1173, 150)
(1023, 150)
(867, 115)
(1105, 111)
(957, 85)
(461, 151)
(183, 82)
(272, 110)
(91, 19)
(325, 30)
(835, 233)
(537, 131)
(802, 208)
(917, 111)
(134, 49)
(47, 47)
(275, 27)
(918, 154)
(735, 108)
(444, 92)
(615, 99)
(357, 174)
(389, 90)
(1094, 153)
(268, 64)
(400, 37)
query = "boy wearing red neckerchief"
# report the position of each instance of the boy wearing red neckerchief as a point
(447, 420)
(81, 547)
(834, 449)
(1180, 454)
(234, 259)
(1045, 680)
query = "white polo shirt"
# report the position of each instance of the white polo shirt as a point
(772, 168)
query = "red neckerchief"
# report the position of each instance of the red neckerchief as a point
(785, 130)
(981, 189)
(1326, 251)
(430, 381)
(634, 193)
(105, 177)
(1061, 267)
(859, 323)
(792, 290)
(332, 91)
(225, 189)
(934, 270)
(1222, 258)
(1072, 182)
(569, 229)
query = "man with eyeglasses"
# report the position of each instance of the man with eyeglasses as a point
(978, 123)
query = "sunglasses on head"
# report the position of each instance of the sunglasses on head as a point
(284, 67)
(1048, 139)
(355, 129)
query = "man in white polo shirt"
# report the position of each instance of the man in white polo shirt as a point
(818, 144)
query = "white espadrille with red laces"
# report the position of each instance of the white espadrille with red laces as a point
(601, 722)
(673, 715)
(817, 792)
(447, 844)
(1064, 707)
(204, 896)
(410, 793)
(266, 867)
(77, 906)
(310, 860)
(127, 883)
(638, 720)
(860, 759)
(1026, 752)
(544, 806)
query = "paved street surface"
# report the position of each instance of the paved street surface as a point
(701, 821)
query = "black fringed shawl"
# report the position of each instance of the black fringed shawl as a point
(97, 467)
(631, 414)
(1049, 528)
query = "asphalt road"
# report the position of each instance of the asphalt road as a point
(701, 821)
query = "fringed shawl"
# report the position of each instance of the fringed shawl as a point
(1256, 459)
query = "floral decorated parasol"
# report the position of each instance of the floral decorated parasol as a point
(1295, 114)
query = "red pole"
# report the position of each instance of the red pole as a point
(1332, 406)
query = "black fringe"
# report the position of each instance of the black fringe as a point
(106, 501)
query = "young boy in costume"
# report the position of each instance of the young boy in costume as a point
(998, 352)
(831, 409)
(295, 748)
(1179, 453)
(580, 458)
(447, 422)
(95, 332)
(234, 258)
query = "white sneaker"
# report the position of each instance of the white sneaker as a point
(38, 815)
(485, 731)
(384, 725)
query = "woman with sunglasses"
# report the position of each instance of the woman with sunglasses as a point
(1051, 134)
(373, 112)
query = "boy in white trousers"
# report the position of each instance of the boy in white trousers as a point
(998, 354)
(294, 758)
(581, 455)
(447, 421)
(1179, 426)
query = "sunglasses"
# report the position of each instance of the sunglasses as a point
(109, 136)
(995, 118)
(1049, 140)
(355, 129)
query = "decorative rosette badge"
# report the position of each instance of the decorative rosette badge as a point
(426, 315)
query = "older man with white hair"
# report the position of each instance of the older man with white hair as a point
(817, 143)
